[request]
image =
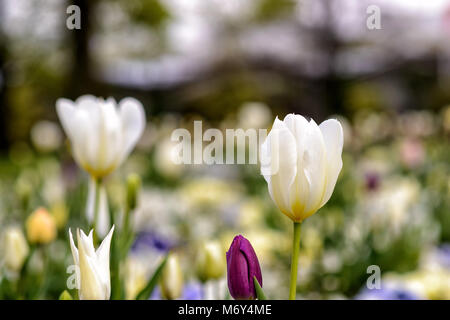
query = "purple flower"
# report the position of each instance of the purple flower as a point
(372, 181)
(242, 266)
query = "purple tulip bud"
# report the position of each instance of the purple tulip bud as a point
(242, 266)
(372, 181)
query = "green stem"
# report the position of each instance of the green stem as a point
(294, 262)
(126, 221)
(116, 283)
(98, 183)
(44, 280)
(24, 271)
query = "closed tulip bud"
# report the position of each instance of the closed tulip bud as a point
(15, 248)
(101, 133)
(211, 261)
(242, 266)
(302, 161)
(41, 227)
(65, 295)
(94, 282)
(172, 278)
(133, 188)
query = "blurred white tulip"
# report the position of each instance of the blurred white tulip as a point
(94, 282)
(46, 136)
(211, 261)
(171, 281)
(102, 134)
(254, 115)
(304, 161)
(15, 248)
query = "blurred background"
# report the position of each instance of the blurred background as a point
(238, 64)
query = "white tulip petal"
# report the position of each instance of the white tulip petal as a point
(133, 123)
(110, 144)
(314, 166)
(83, 139)
(88, 103)
(103, 250)
(300, 189)
(86, 242)
(299, 194)
(333, 136)
(73, 121)
(90, 131)
(103, 259)
(66, 113)
(280, 146)
(73, 248)
(92, 146)
(91, 236)
(90, 286)
(298, 126)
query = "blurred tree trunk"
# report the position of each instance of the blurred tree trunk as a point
(331, 46)
(80, 81)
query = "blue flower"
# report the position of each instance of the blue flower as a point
(444, 255)
(152, 240)
(191, 291)
(387, 294)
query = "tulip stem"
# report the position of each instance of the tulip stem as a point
(98, 183)
(126, 219)
(294, 262)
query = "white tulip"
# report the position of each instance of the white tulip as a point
(304, 163)
(15, 248)
(94, 281)
(102, 134)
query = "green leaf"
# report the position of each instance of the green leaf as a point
(147, 291)
(268, 10)
(151, 12)
(259, 291)
(116, 257)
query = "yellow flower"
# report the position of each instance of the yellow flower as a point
(41, 227)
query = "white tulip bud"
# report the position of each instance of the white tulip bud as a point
(15, 248)
(211, 262)
(94, 282)
(171, 282)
